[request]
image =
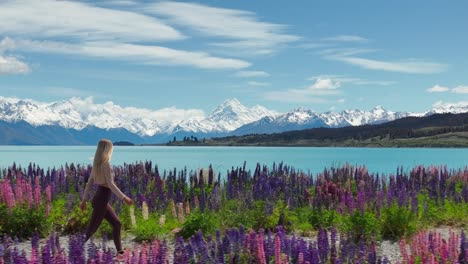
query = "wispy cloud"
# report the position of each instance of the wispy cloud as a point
(80, 21)
(315, 45)
(461, 89)
(352, 80)
(314, 93)
(69, 92)
(332, 41)
(250, 74)
(82, 29)
(294, 96)
(120, 2)
(407, 66)
(242, 29)
(254, 83)
(349, 56)
(146, 54)
(8, 63)
(346, 38)
(438, 89)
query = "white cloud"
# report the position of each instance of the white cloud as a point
(250, 74)
(146, 54)
(352, 80)
(314, 93)
(10, 64)
(408, 66)
(120, 2)
(346, 38)
(342, 100)
(438, 89)
(244, 30)
(460, 89)
(79, 28)
(49, 19)
(325, 83)
(254, 83)
(332, 53)
(162, 116)
(349, 56)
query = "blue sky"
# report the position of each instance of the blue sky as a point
(321, 55)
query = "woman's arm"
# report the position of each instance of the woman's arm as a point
(111, 184)
(88, 186)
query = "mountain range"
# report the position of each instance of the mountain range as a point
(81, 121)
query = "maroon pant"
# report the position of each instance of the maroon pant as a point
(101, 210)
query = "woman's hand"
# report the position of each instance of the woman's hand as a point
(128, 200)
(83, 205)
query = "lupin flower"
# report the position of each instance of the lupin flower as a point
(132, 216)
(180, 212)
(162, 220)
(48, 199)
(173, 209)
(277, 250)
(187, 208)
(144, 209)
(260, 249)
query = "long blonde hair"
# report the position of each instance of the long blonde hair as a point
(103, 155)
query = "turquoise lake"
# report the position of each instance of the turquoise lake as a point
(382, 160)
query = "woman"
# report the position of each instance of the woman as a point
(103, 176)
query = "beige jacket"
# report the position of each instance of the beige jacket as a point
(105, 179)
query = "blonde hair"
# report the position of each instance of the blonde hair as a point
(103, 155)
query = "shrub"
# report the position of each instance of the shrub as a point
(361, 226)
(397, 222)
(23, 222)
(198, 221)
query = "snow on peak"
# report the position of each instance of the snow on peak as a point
(228, 116)
(77, 113)
(454, 108)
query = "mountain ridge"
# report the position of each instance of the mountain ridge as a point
(83, 116)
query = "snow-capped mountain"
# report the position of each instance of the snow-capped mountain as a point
(77, 113)
(88, 121)
(301, 118)
(454, 108)
(228, 116)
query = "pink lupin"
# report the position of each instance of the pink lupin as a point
(48, 199)
(404, 253)
(155, 248)
(37, 193)
(19, 188)
(277, 249)
(34, 258)
(260, 250)
(9, 195)
(29, 195)
(300, 259)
